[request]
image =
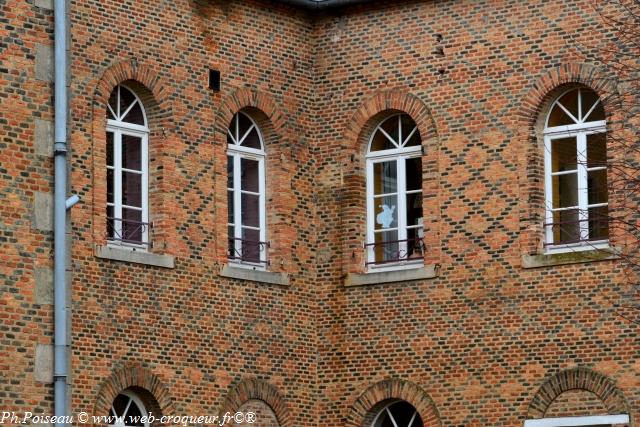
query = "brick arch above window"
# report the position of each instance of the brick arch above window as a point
(368, 404)
(140, 380)
(577, 379)
(257, 389)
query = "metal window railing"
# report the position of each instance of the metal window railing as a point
(129, 231)
(248, 251)
(394, 251)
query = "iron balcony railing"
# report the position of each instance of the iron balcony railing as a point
(394, 251)
(248, 251)
(129, 231)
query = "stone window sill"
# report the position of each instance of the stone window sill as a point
(251, 275)
(406, 275)
(133, 256)
(571, 257)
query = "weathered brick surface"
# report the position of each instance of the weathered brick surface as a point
(486, 343)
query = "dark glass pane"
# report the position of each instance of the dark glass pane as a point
(252, 140)
(589, 98)
(408, 126)
(135, 115)
(597, 114)
(250, 178)
(230, 140)
(565, 190)
(132, 189)
(384, 420)
(252, 249)
(133, 416)
(402, 413)
(229, 172)
(599, 223)
(113, 102)
(126, 99)
(245, 123)
(596, 150)
(385, 175)
(386, 246)
(110, 222)
(391, 127)
(597, 184)
(559, 118)
(109, 148)
(233, 244)
(386, 212)
(570, 102)
(132, 226)
(230, 207)
(415, 245)
(564, 154)
(120, 404)
(131, 152)
(566, 227)
(381, 142)
(250, 210)
(414, 209)
(413, 169)
(110, 184)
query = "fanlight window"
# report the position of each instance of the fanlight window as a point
(576, 171)
(246, 192)
(127, 169)
(394, 194)
(398, 414)
(128, 411)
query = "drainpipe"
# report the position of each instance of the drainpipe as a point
(61, 204)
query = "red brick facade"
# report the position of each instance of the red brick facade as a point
(486, 342)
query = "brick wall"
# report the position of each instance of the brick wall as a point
(477, 345)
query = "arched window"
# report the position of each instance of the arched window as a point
(394, 194)
(128, 411)
(246, 192)
(576, 172)
(398, 414)
(127, 169)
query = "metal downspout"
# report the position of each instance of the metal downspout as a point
(60, 213)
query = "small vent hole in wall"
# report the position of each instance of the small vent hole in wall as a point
(214, 80)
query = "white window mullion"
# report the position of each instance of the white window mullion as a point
(117, 184)
(370, 213)
(548, 191)
(583, 194)
(262, 206)
(145, 187)
(402, 205)
(237, 203)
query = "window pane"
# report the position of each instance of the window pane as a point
(110, 222)
(413, 168)
(386, 212)
(132, 225)
(385, 177)
(597, 183)
(250, 210)
(131, 152)
(113, 103)
(391, 127)
(135, 115)
(570, 102)
(565, 190)
(415, 248)
(559, 118)
(251, 247)
(381, 142)
(402, 412)
(566, 226)
(414, 209)
(564, 154)
(229, 172)
(120, 404)
(408, 126)
(597, 114)
(126, 99)
(233, 243)
(599, 223)
(386, 251)
(230, 207)
(109, 148)
(110, 186)
(245, 124)
(252, 140)
(250, 178)
(596, 150)
(589, 98)
(133, 416)
(132, 189)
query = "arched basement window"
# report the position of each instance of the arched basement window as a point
(395, 229)
(576, 171)
(398, 414)
(128, 410)
(127, 169)
(246, 192)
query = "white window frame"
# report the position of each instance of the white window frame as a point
(400, 155)
(237, 152)
(119, 128)
(580, 132)
(138, 402)
(595, 420)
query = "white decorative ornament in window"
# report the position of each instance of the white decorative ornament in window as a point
(395, 228)
(128, 410)
(246, 192)
(576, 172)
(127, 170)
(398, 414)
